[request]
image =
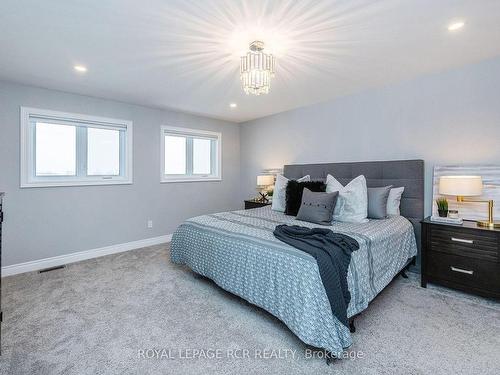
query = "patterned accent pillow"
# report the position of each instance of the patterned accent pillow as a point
(317, 207)
(294, 194)
(352, 205)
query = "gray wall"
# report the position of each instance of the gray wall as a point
(447, 118)
(450, 117)
(45, 222)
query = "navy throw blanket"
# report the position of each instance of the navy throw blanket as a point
(332, 252)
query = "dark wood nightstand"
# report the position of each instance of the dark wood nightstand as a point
(252, 203)
(464, 257)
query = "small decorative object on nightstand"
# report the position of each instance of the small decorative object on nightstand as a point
(255, 203)
(464, 257)
(442, 204)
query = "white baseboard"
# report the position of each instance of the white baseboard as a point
(41, 264)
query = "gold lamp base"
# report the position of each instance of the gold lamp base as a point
(488, 224)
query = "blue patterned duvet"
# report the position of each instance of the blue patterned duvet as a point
(239, 252)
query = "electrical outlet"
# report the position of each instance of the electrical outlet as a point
(150, 223)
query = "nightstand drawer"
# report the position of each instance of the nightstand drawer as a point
(471, 244)
(466, 271)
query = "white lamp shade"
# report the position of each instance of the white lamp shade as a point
(265, 180)
(461, 185)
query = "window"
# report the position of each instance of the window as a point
(65, 149)
(190, 155)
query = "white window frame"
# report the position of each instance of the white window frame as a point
(28, 176)
(217, 176)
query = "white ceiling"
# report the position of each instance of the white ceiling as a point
(184, 54)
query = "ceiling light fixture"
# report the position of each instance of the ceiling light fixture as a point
(257, 69)
(80, 68)
(233, 105)
(456, 25)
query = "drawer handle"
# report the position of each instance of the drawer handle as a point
(468, 272)
(461, 240)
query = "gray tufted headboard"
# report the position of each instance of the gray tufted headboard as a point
(407, 173)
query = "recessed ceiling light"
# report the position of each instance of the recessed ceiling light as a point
(80, 68)
(233, 105)
(456, 25)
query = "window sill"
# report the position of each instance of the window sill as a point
(207, 179)
(73, 183)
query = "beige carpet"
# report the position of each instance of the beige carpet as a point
(108, 315)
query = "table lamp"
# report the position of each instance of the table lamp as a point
(467, 186)
(263, 184)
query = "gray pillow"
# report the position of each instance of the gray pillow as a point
(377, 202)
(317, 207)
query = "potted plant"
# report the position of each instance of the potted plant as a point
(270, 195)
(442, 205)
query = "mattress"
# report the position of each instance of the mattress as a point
(239, 252)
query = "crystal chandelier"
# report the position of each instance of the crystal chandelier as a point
(256, 69)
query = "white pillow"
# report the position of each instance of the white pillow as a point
(279, 194)
(394, 200)
(352, 203)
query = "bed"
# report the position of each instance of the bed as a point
(239, 252)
